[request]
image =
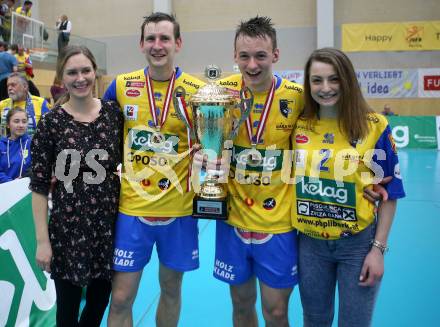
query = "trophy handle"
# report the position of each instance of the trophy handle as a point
(179, 92)
(246, 104)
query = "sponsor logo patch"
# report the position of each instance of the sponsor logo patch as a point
(131, 111)
(164, 184)
(329, 138)
(132, 93)
(284, 108)
(135, 84)
(301, 139)
(269, 204)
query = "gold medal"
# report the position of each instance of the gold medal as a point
(158, 138)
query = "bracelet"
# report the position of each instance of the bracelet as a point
(382, 247)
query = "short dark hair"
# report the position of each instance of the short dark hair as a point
(259, 26)
(4, 45)
(157, 17)
(27, 2)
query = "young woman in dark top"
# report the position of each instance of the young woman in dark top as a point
(80, 142)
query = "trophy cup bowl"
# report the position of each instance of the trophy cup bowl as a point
(214, 111)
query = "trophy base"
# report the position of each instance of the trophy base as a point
(210, 208)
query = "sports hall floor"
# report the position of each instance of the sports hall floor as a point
(410, 292)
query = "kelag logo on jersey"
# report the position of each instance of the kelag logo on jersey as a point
(326, 190)
(143, 140)
(272, 160)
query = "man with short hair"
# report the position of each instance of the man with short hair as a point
(19, 96)
(387, 110)
(156, 200)
(258, 241)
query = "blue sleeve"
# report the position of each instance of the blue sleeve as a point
(44, 108)
(390, 164)
(14, 61)
(3, 176)
(110, 93)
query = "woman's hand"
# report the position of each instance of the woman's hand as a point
(378, 192)
(44, 255)
(372, 269)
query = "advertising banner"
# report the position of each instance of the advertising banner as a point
(414, 131)
(27, 294)
(399, 36)
(296, 76)
(429, 83)
(388, 83)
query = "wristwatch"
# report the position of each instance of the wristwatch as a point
(382, 247)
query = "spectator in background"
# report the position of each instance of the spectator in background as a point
(25, 10)
(387, 110)
(19, 96)
(8, 65)
(25, 67)
(22, 24)
(57, 89)
(15, 154)
(6, 13)
(64, 26)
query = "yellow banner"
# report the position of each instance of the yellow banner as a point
(404, 36)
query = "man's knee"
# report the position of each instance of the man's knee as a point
(276, 312)
(171, 284)
(243, 300)
(121, 300)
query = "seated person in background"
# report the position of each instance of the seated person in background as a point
(15, 154)
(387, 110)
(18, 91)
(57, 89)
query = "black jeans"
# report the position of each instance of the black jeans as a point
(69, 299)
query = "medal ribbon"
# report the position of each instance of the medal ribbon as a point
(263, 119)
(152, 102)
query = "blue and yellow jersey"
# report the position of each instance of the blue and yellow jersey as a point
(40, 107)
(22, 11)
(258, 198)
(155, 181)
(331, 174)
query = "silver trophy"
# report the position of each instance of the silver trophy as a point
(215, 114)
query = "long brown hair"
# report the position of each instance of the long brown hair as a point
(352, 107)
(67, 52)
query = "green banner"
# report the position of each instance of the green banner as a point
(27, 294)
(414, 131)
